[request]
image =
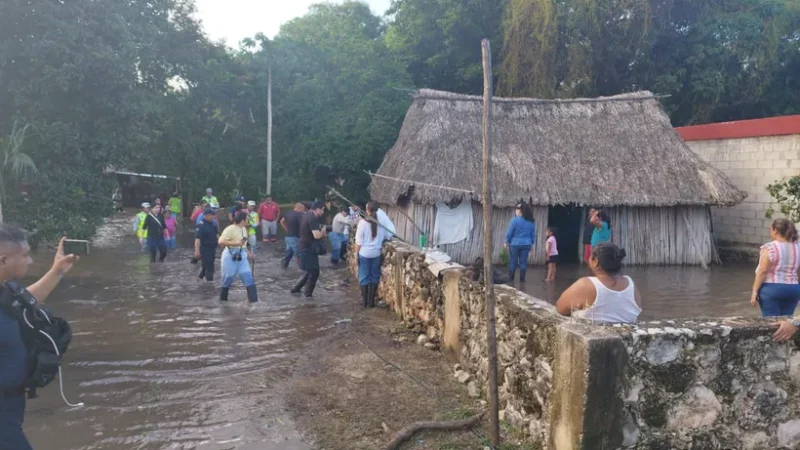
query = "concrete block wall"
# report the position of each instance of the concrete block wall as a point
(751, 164)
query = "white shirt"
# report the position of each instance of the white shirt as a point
(370, 245)
(387, 224)
(611, 306)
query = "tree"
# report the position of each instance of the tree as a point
(16, 164)
(786, 193)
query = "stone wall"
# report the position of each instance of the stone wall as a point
(751, 164)
(567, 384)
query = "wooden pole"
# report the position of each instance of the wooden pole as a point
(491, 333)
(269, 127)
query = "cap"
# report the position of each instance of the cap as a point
(145, 205)
(209, 211)
(242, 199)
(519, 205)
(316, 205)
(251, 203)
(209, 190)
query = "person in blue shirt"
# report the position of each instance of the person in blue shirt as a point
(205, 243)
(520, 236)
(240, 204)
(14, 261)
(202, 218)
(602, 228)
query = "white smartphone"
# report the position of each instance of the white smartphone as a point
(76, 247)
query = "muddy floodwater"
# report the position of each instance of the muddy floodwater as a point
(160, 363)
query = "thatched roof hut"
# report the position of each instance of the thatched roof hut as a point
(616, 151)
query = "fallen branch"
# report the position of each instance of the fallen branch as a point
(409, 431)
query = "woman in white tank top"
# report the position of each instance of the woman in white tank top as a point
(607, 297)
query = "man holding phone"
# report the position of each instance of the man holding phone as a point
(312, 234)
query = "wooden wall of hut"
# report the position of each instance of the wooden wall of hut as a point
(650, 236)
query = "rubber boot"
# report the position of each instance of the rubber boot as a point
(252, 294)
(373, 293)
(309, 292)
(365, 295)
(522, 275)
(223, 294)
(511, 275)
(300, 283)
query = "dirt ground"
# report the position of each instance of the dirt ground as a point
(348, 396)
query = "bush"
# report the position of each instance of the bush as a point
(786, 193)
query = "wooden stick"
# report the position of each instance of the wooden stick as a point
(491, 333)
(696, 246)
(409, 431)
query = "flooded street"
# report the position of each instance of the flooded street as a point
(161, 364)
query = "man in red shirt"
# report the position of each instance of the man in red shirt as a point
(269, 212)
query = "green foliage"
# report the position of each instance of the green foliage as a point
(504, 258)
(786, 193)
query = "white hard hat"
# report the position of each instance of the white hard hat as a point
(251, 203)
(145, 205)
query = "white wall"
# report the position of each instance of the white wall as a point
(751, 164)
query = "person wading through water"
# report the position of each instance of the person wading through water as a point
(156, 228)
(291, 225)
(310, 245)
(235, 258)
(205, 244)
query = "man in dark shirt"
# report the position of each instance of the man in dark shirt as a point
(205, 244)
(14, 261)
(155, 225)
(311, 233)
(291, 225)
(240, 204)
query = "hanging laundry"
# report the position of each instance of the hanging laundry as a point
(452, 225)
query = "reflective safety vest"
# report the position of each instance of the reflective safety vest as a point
(176, 205)
(140, 231)
(212, 201)
(253, 219)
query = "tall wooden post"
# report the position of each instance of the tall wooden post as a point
(269, 127)
(491, 333)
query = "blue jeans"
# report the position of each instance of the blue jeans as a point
(369, 270)
(778, 299)
(518, 257)
(337, 239)
(172, 243)
(12, 413)
(291, 249)
(232, 269)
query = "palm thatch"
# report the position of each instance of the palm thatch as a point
(609, 151)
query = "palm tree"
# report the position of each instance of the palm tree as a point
(16, 164)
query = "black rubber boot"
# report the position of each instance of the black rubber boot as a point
(252, 294)
(373, 293)
(300, 283)
(365, 295)
(511, 275)
(223, 294)
(522, 275)
(309, 292)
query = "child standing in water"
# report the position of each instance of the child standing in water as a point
(551, 250)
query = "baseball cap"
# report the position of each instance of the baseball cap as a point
(145, 205)
(209, 190)
(242, 199)
(209, 211)
(316, 205)
(251, 203)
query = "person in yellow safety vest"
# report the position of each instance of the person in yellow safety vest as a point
(176, 205)
(141, 232)
(210, 199)
(253, 222)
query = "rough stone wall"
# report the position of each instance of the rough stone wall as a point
(710, 385)
(751, 164)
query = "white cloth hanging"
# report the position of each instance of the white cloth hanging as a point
(453, 225)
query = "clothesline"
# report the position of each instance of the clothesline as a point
(417, 183)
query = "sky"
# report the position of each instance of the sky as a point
(234, 20)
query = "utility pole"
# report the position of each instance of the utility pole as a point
(269, 125)
(491, 332)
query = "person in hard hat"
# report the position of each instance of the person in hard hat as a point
(252, 220)
(210, 199)
(138, 225)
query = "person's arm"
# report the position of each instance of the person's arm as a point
(319, 234)
(509, 233)
(283, 224)
(577, 297)
(197, 247)
(764, 266)
(359, 238)
(547, 246)
(61, 265)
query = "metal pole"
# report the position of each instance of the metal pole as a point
(491, 333)
(269, 127)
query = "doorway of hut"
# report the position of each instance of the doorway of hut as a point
(568, 222)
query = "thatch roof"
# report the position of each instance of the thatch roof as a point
(609, 151)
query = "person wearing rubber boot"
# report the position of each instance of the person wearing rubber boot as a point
(235, 258)
(369, 241)
(309, 247)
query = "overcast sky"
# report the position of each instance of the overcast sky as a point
(234, 20)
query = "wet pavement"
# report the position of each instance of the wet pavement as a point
(161, 364)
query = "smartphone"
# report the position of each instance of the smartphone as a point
(76, 247)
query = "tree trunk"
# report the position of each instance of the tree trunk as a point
(269, 128)
(491, 333)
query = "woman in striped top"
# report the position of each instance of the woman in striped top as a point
(776, 288)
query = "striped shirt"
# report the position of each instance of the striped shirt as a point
(785, 260)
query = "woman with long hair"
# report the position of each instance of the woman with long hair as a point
(520, 236)
(369, 241)
(776, 289)
(606, 297)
